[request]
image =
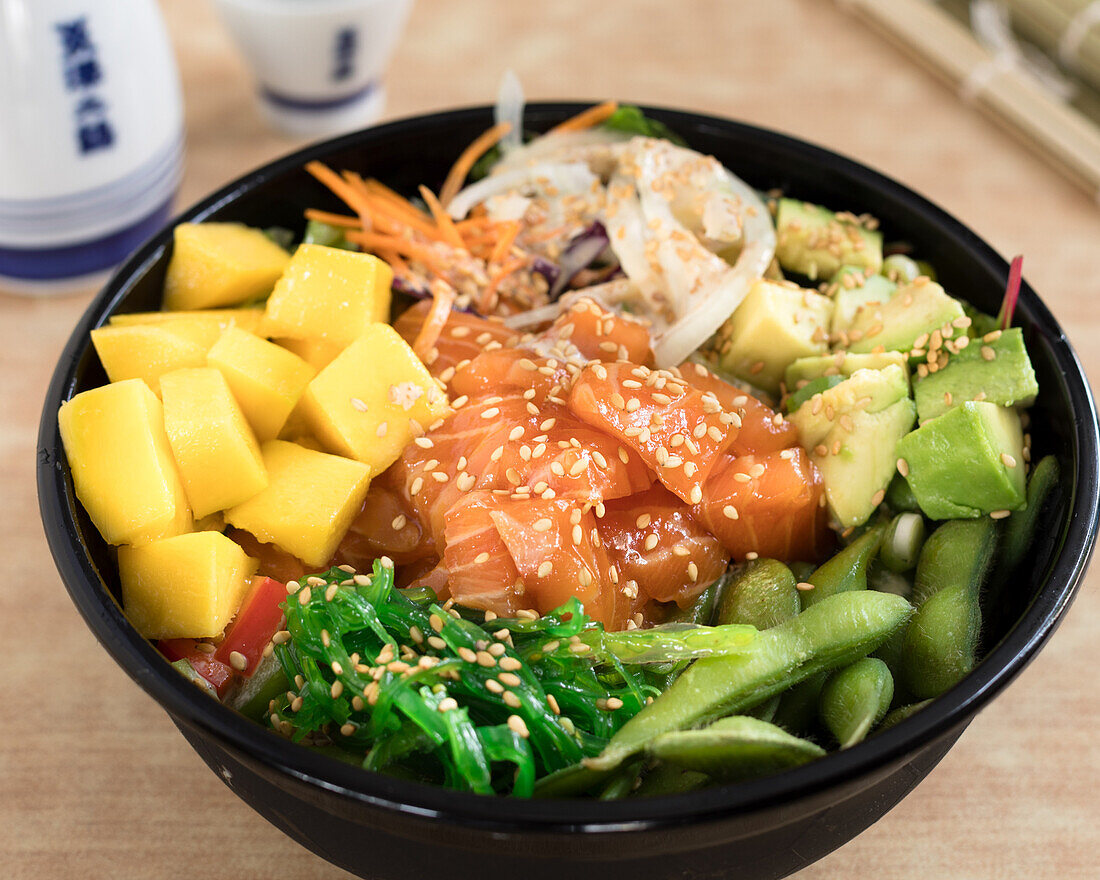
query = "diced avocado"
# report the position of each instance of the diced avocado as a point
(842, 363)
(267, 682)
(775, 324)
(860, 459)
(1005, 378)
(900, 496)
(914, 310)
(809, 389)
(851, 296)
(967, 462)
(981, 323)
(183, 667)
(867, 391)
(815, 242)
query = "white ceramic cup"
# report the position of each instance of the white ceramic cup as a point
(318, 63)
(91, 128)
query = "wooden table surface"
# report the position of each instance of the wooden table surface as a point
(95, 780)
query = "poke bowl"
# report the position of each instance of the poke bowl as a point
(384, 825)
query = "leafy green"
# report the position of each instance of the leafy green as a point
(487, 706)
(629, 119)
(329, 236)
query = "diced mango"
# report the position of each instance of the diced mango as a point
(215, 450)
(220, 264)
(247, 318)
(266, 380)
(189, 586)
(318, 353)
(328, 293)
(121, 463)
(309, 503)
(147, 351)
(362, 405)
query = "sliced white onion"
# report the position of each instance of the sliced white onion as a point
(566, 178)
(509, 108)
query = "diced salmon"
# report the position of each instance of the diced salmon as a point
(480, 570)
(464, 337)
(762, 428)
(767, 504)
(658, 547)
(386, 525)
(603, 335)
(679, 432)
(504, 370)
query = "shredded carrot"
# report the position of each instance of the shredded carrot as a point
(347, 194)
(341, 220)
(443, 300)
(399, 266)
(587, 118)
(485, 299)
(413, 249)
(466, 161)
(408, 209)
(471, 223)
(505, 242)
(443, 220)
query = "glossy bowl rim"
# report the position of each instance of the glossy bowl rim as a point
(948, 712)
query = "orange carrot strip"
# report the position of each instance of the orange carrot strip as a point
(340, 187)
(587, 118)
(399, 266)
(485, 299)
(412, 249)
(443, 220)
(379, 189)
(468, 158)
(505, 242)
(340, 220)
(443, 300)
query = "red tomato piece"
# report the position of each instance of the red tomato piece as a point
(257, 620)
(219, 674)
(659, 548)
(679, 432)
(767, 504)
(601, 334)
(762, 428)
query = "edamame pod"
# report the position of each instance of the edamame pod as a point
(1018, 531)
(797, 710)
(701, 610)
(846, 571)
(855, 699)
(900, 714)
(941, 641)
(735, 748)
(834, 632)
(763, 594)
(665, 779)
(622, 783)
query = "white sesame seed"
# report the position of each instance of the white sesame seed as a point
(542, 525)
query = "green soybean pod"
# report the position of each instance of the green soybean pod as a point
(622, 783)
(855, 699)
(665, 779)
(1018, 530)
(735, 748)
(797, 710)
(701, 610)
(896, 716)
(833, 633)
(900, 497)
(941, 641)
(846, 571)
(763, 594)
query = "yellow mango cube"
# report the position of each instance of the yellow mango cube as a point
(363, 405)
(309, 503)
(121, 463)
(220, 264)
(266, 380)
(215, 449)
(214, 320)
(189, 586)
(328, 293)
(318, 353)
(147, 351)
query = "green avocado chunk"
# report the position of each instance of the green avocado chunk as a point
(854, 291)
(914, 310)
(841, 363)
(859, 463)
(863, 391)
(815, 242)
(967, 462)
(775, 324)
(809, 389)
(998, 371)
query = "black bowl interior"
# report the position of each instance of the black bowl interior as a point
(420, 150)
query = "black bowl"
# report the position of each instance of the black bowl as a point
(386, 828)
